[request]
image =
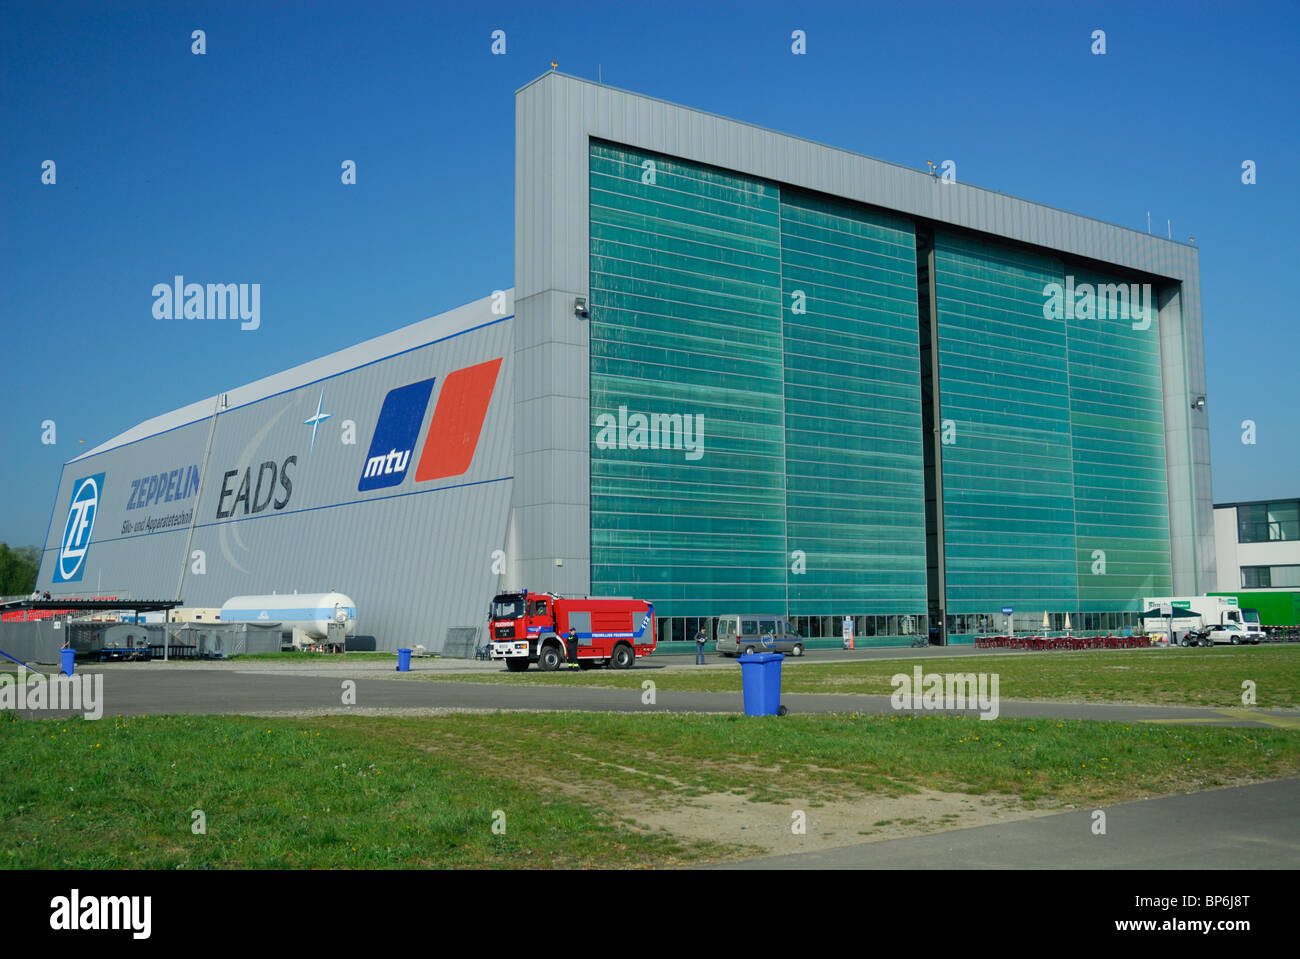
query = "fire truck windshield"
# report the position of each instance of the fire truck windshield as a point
(507, 607)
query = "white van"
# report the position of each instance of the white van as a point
(738, 635)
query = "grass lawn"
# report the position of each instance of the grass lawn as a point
(1175, 677)
(381, 792)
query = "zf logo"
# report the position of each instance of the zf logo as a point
(79, 528)
(453, 433)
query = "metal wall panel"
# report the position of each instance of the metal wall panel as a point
(415, 555)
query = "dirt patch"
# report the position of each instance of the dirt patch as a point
(757, 828)
(772, 827)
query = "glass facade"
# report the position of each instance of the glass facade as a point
(686, 319)
(1054, 489)
(757, 416)
(1004, 410)
(1117, 436)
(785, 325)
(852, 410)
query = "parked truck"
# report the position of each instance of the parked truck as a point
(1211, 618)
(550, 630)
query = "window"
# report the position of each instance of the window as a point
(1284, 521)
(1268, 522)
(1253, 577)
(507, 608)
(1270, 577)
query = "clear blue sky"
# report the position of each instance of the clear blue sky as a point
(225, 168)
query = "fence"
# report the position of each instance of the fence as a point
(1048, 644)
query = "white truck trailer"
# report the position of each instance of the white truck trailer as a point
(1217, 619)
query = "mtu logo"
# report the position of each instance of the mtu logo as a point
(453, 433)
(78, 529)
(395, 435)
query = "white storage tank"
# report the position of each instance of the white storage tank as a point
(309, 613)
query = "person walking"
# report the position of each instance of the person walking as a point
(701, 637)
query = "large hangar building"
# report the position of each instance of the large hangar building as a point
(739, 372)
(381, 471)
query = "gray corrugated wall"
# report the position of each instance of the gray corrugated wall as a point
(556, 115)
(34, 642)
(416, 557)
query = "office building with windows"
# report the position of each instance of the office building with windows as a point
(1258, 544)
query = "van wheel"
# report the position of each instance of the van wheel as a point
(749, 650)
(622, 657)
(796, 649)
(548, 659)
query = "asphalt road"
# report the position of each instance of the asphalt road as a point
(158, 688)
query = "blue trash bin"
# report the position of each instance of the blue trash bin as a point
(403, 660)
(760, 677)
(68, 657)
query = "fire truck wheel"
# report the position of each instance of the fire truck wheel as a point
(517, 664)
(548, 659)
(622, 657)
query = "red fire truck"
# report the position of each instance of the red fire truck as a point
(549, 630)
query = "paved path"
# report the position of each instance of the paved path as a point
(1245, 827)
(157, 688)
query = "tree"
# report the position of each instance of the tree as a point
(18, 569)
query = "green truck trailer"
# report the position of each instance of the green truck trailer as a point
(1276, 608)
